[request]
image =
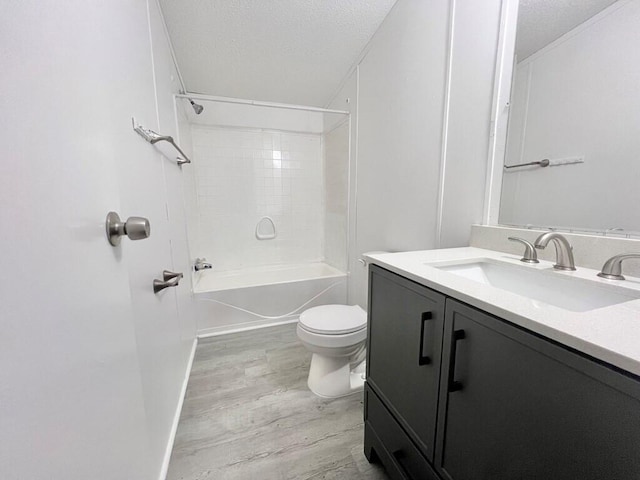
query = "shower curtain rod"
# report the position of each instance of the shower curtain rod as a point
(257, 103)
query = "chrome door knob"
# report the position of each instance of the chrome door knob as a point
(136, 228)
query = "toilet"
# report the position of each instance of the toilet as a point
(335, 335)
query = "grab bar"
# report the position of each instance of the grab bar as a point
(154, 137)
(542, 163)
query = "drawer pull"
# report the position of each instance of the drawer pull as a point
(454, 385)
(424, 359)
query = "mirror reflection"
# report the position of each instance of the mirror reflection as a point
(575, 117)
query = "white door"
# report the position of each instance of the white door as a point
(70, 391)
(91, 360)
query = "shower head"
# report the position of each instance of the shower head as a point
(196, 108)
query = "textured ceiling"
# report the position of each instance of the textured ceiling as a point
(540, 22)
(289, 51)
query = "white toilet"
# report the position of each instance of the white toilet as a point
(335, 335)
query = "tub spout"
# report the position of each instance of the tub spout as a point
(200, 264)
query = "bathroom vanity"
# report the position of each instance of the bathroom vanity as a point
(467, 380)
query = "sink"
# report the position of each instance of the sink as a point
(547, 286)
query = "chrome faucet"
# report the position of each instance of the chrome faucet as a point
(564, 254)
(612, 268)
(200, 264)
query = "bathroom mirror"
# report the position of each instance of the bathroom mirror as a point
(575, 101)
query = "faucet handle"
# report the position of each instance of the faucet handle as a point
(612, 268)
(530, 254)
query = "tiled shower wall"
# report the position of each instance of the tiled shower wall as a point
(242, 175)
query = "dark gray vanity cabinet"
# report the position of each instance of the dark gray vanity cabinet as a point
(506, 403)
(405, 327)
(513, 405)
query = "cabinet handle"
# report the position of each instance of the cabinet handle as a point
(424, 359)
(454, 385)
(398, 455)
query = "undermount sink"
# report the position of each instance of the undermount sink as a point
(547, 286)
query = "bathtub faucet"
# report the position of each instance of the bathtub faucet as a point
(201, 264)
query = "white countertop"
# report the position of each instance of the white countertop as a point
(610, 334)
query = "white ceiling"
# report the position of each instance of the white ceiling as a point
(540, 22)
(287, 51)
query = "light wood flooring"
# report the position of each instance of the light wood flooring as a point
(248, 414)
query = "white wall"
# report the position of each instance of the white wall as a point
(165, 335)
(400, 105)
(578, 97)
(336, 195)
(184, 134)
(347, 99)
(402, 112)
(476, 27)
(91, 360)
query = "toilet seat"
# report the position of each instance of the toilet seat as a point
(333, 319)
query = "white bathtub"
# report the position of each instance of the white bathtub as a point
(255, 297)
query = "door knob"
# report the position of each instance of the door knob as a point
(136, 228)
(169, 279)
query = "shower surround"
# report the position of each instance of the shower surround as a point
(243, 175)
(290, 166)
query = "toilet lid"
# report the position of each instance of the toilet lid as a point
(334, 319)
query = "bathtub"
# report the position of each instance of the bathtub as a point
(262, 296)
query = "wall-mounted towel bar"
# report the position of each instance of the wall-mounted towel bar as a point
(154, 137)
(542, 163)
(556, 162)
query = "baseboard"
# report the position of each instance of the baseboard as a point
(214, 332)
(176, 417)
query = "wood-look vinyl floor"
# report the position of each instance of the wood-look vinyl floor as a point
(248, 414)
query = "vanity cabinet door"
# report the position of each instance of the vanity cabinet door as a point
(516, 406)
(405, 324)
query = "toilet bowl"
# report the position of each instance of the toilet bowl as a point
(335, 335)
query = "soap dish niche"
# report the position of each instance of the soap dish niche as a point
(266, 229)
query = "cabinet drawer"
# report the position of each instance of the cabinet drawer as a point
(397, 452)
